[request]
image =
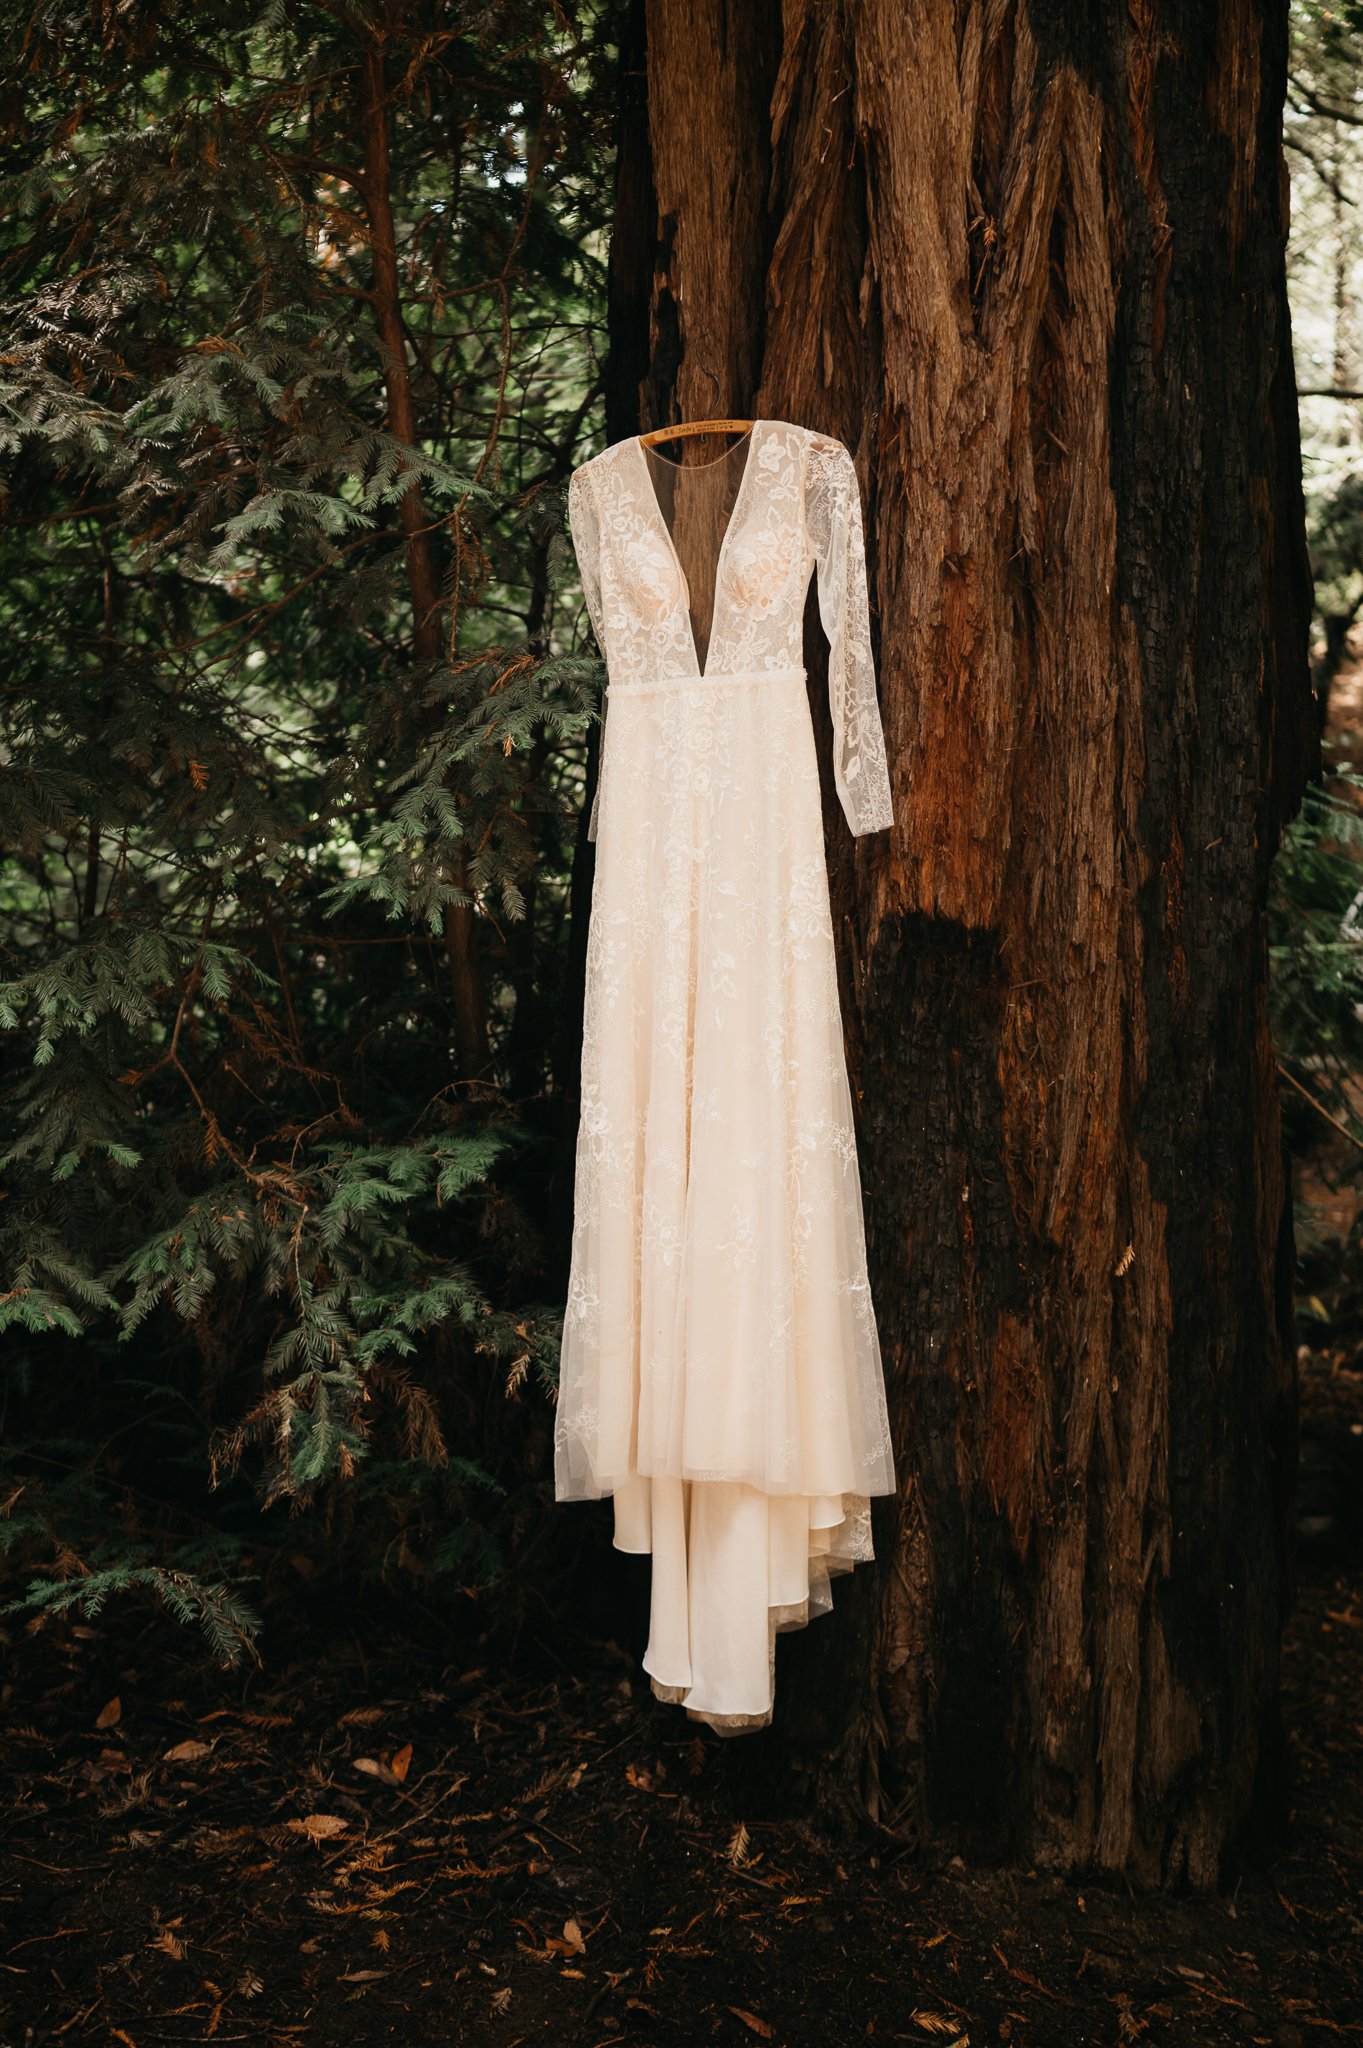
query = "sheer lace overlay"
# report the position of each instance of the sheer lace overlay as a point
(720, 1371)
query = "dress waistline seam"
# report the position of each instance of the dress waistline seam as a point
(698, 682)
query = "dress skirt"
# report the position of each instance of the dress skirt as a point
(720, 1370)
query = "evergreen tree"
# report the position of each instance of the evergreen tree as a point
(297, 343)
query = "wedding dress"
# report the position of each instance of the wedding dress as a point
(720, 1370)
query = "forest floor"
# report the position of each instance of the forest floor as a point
(371, 1843)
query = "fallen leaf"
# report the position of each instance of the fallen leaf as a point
(319, 1827)
(187, 1752)
(109, 1713)
(750, 2019)
(372, 1768)
(737, 1851)
(571, 1943)
(390, 1771)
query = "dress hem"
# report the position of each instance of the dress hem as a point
(780, 1620)
(732, 1568)
(797, 1489)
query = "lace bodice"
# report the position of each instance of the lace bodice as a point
(797, 510)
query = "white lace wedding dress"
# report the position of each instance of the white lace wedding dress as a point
(720, 1373)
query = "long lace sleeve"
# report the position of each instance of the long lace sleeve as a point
(834, 524)
(586, 538)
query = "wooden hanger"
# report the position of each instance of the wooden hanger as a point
(696, 427)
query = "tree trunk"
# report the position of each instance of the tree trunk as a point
(1027, 262)
(467, 1000)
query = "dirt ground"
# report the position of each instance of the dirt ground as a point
(370, 1845)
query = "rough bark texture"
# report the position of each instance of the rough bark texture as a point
(1027, 262)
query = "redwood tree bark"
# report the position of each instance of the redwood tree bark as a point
(1026, 260)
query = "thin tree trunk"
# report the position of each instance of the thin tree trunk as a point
(109, 646)
(461, 942)
(629, 288)
(1027, 262)
(1343, 307)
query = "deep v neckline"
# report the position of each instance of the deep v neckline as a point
(637, 443)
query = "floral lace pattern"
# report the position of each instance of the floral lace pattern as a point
(720, 1371)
